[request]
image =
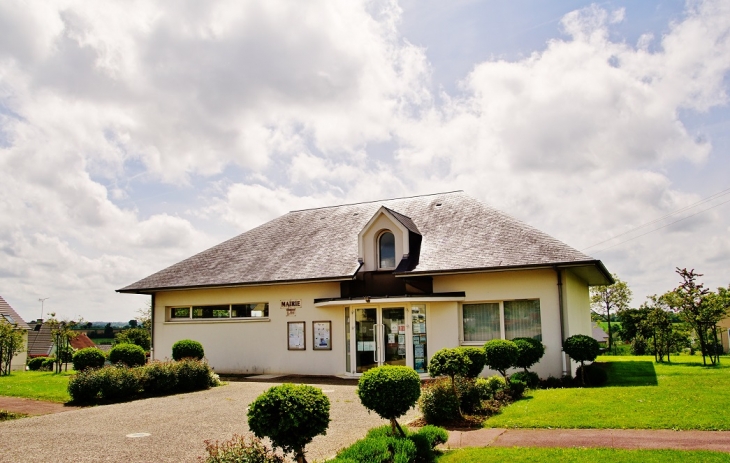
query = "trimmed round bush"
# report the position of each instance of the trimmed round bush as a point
(529, 352)
(192, 375)
(516, 388)
(501, 355)
(85, 386)
(291, 416)
(129, 354)
(581, 348)
(187, 348)
(88, 357)
(594, 374)
(528, 377)
(449, 362)
(36, 363)
(477, 358)
(390, 391)
(438, 403)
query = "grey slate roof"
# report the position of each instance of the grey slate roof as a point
(10, 315)
(459, 233)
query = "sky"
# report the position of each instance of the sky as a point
(135, 134)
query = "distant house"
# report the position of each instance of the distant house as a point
(9, 314)
(599, 335)
(81, 341)
(339, 290)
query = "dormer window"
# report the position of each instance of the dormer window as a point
(386, 250)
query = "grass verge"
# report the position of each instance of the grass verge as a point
(579, 455)
(39, 385)
(640, 394)
(7, 416)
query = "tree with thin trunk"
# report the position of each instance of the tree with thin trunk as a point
(607, 298)
(701, 309)
(62, 331)
(11, 343)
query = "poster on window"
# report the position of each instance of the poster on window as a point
(322, 335)
(296, 335)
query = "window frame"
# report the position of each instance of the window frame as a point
(378, 240)
(170, 310)
(502, 321)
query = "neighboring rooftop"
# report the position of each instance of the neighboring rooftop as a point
(459, 234)
(10, 315)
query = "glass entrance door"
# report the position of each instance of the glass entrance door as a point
(380, 337)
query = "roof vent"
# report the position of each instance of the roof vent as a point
(438, 204)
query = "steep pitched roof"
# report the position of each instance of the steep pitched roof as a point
(10, 315)
(39, 340)
(81, 341)
(459, 234)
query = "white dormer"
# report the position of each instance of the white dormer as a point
(385, 240)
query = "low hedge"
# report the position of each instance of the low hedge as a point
(36, 363)
(117, 383)
(382, 446)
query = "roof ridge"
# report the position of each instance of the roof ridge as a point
(377, 201)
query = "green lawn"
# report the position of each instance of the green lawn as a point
(41, 385)
(641, 395)
(579, 455)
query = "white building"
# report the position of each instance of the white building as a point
(338, 290)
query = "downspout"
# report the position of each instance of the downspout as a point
(152, 327)
(562, 321)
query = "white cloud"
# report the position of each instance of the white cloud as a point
(298, 101)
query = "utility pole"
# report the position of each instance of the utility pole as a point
(42, 299)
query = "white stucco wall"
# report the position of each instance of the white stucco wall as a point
(578, 308)
(253, 345)
(21, 358)
(505, 286)
(260, 345)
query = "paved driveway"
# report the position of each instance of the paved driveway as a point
(177, 425)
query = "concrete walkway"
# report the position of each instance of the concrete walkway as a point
(170, 429)
(615, 438)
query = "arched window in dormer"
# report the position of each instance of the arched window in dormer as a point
(386, 250)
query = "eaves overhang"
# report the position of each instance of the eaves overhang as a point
(592, 271)
(153, 290)
(407, 298)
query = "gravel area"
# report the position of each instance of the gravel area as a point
(177, 426)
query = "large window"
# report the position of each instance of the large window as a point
(218, 312)
(481, 322)
(496, 320)
(522, 319)
(386, 250)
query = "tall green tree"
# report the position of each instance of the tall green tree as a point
(11, 343)
(701, 309)
(659, 324)
(607, 298)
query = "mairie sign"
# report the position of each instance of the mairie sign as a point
(291, 304)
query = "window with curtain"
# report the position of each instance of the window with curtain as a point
(522, 319)
(481, 321)
(386, 250)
